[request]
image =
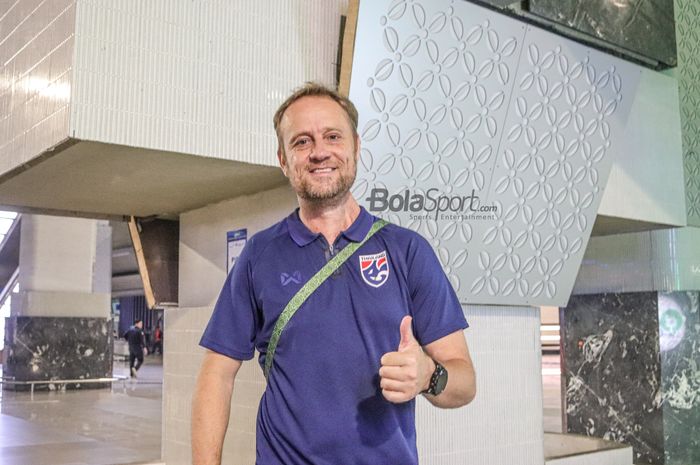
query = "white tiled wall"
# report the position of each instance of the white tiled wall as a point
(181, 365)
(200, 78)
(503, 425)
(36, 48)
(203, 239)
(202, 272)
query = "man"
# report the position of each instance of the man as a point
(382, 329)
(137, 346)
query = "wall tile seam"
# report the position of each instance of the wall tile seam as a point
(173, 377)
(252, 46)
(187, 330)
(34, 36)
(245, 432)
(23, 20)
(179, 442)
(161, 86)
(37, 125)
(246, 406)
(38, 143)
(34, 101)
(253, 382)
(47, 56)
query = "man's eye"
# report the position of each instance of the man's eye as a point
(301, 142)
(334, 136)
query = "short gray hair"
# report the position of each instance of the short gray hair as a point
(314, 89)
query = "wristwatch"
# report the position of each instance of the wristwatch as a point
(438, 381)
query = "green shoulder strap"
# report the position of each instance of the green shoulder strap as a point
(309, 288)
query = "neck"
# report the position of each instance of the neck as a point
(329, 220)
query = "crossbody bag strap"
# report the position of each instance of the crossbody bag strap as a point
(308, 288)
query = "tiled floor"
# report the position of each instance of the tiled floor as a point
(85, 427)
(123, 425)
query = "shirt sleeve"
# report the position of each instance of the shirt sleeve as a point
(233, 324)
(436, 310)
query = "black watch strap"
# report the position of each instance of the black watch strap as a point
(438, 381)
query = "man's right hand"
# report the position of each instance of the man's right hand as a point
(406, 372)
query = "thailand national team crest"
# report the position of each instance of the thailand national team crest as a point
(374, 268)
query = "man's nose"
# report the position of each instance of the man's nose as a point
(320, 151)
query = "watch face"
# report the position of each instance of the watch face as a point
(441, 381)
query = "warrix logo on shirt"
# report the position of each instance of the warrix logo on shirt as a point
(286, 278)
(374, 268)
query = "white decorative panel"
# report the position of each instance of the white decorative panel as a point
(617, 263)
(36, 50)
(201, 78)
(513, 126)
(687, 30)
(649, 191)
(664, 260)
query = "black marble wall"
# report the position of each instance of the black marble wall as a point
(46, 348)
(679, 331)
(631, 372)
(611, 370)
(646, 27)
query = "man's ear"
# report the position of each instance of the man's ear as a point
(282, 159)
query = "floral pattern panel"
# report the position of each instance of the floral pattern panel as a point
(492, 138)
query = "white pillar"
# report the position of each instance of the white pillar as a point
(64, 269)
(60, 324)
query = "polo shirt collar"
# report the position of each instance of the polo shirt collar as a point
(303, 236)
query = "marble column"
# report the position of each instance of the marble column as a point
(631, 365)
(679, 343)
(60, 325)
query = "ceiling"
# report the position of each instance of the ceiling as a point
(607, 225)
(99, 180)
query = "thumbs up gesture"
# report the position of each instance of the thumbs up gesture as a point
(405, 373)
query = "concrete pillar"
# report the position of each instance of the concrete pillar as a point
(60, 325)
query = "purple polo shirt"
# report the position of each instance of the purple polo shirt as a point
(323, 404)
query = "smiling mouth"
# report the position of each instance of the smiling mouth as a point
(322, 170)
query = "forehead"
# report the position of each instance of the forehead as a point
(316, 111)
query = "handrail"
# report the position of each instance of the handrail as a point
(14, 224)
(8, 380)
(62, 381)
(5, 292)
(7, 289)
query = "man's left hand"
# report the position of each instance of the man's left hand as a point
(405, 373)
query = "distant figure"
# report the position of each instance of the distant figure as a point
(157, 340)
(137, 346)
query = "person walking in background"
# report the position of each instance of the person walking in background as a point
(157, 340)
(137, 346)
